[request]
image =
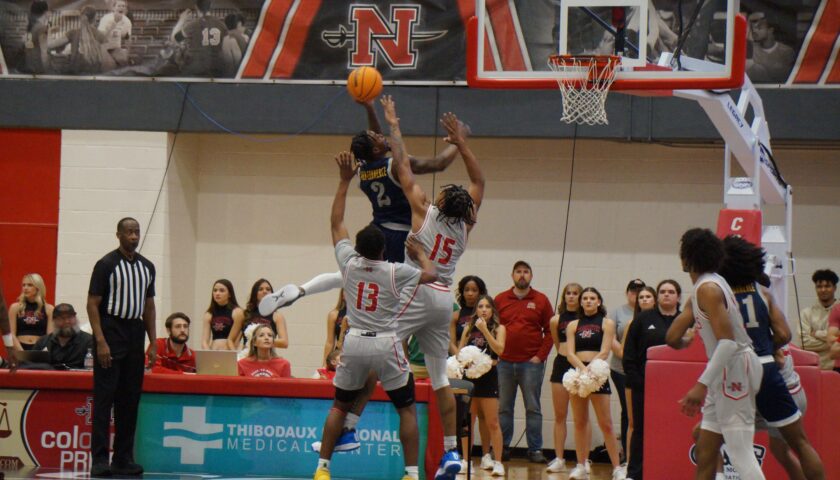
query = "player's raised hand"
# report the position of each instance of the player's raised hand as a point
(456, 131)
(390, 109)
(347, 165)
(692, 402)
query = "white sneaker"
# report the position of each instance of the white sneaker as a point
(463, 467)
(557, 465)
(281, 298)
(619, 474)
(487, 462)
(588, 466)
(498, 469)
(579, 472)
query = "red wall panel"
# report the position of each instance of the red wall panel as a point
(30, 167)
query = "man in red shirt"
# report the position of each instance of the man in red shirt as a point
(525, 313)
(173, 354)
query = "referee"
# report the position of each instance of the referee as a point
(121, 308)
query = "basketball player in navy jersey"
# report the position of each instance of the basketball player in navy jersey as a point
(379, 180)
(726, 390)
(768, 329)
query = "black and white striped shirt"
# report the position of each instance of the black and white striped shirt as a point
(123, 284)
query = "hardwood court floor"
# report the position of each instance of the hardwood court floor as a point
(522, 469)
(516, 469)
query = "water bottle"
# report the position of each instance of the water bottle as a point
(89, 359)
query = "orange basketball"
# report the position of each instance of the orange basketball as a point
(364, 84)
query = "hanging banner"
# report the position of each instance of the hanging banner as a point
(419, 41)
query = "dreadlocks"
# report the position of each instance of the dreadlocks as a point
(701, 250)
(456, 205)
(744, 262)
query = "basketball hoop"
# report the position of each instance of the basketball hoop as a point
(585, 86)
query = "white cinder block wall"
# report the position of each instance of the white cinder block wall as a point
(236, 209)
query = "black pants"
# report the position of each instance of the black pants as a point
(119, 387)
(634, 466)
(620, 382)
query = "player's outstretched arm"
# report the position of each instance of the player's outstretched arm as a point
(347, 170)
(417, 253)
(415, 195)
(439, 162)
(778, 322)
(457, 136)
(372, 118)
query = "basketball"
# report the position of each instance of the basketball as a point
(364, 84)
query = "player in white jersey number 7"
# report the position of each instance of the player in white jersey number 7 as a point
(726, 390)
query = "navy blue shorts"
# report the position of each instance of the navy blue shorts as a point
(394, 244)
(773, 401)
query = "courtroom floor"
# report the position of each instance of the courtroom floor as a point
(517, 469)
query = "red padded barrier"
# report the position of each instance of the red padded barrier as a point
(671, 373)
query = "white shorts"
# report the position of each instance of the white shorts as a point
(426, 313)
(381, 352)
(730, 403)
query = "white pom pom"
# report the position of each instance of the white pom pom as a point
(468, 355)
(570, 381)
(248, 333)
(481, 364)
(600, 370)
(453, 368)
(588, 384)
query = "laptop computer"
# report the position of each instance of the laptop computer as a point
(216, 362)
(33, 356)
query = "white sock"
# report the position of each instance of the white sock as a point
(449, 443)
(412, 472)
(322, 283)
(324, 463)
(350, 421)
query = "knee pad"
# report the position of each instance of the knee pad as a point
(437, 372)
(346, 396)
(404, 396)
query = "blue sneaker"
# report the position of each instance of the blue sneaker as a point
(450, 465)
(348, 441)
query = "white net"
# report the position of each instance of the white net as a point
(585, 87)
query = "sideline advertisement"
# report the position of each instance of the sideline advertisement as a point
(263, 436)
(46, 428)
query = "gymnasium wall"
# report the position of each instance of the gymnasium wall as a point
(249, 208)
(796, 114)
